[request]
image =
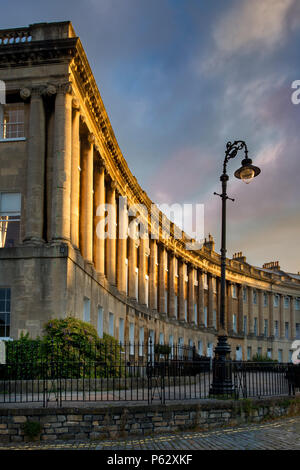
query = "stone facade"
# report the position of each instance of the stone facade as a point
(65, 164)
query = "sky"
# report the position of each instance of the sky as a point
(180, 78)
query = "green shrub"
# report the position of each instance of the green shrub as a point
(77, 349)
(162, 349)
(22, 357)
(70, 348)
(260, 358)
(32, 429)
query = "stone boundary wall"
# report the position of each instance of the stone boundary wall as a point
(137, 420)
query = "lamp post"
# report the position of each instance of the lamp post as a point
(222, 376)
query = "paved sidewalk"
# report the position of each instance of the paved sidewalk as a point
(280, 434)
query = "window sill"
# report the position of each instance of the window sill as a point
(14, 139)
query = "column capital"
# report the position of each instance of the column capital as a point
(64, 88)
(83, 118)
(25, 93)
(37, 91)
(113, 185)
(76, 104)
(50, 90)
(91, 138)
(99, 164)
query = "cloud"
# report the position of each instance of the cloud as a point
(179, 176)
(256, 23)
(256, 26)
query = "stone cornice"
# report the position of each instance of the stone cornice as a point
(37, 52)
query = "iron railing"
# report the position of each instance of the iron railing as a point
(130, 372)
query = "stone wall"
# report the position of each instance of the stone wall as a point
(122, 421)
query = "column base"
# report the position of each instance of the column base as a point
(33, 241)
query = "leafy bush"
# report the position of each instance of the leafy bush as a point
(32, 429)
(259, 358)
(22, 358)
(162, 349)
(70, 348)
(75, 346)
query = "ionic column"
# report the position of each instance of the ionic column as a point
(61, 208)
(181, 290)
(122, 244)
(142, 269)
(260, 313)
(86, 213)
(200, 299)
(35, 170)
(171, 286)
(292, 317)
(250, 309)
(132, 259)
(229, 306)
(111, 240)
(210, 319)
(99, 218)
(271, 314)
(281, 317)
(153, 275)
(191, 296)
(75, 175)
(161, 279)
(240, 309)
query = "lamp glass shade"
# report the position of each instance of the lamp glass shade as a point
(247, 174)
(247, 171)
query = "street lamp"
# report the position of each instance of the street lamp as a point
(222, 377)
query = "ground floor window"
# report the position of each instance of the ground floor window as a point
(209, 349)
(249, 353)
(100, 322)
(131, 339)
(5, 312)
(86, 310)
(10, 214)
(121, 331)
(111, 324)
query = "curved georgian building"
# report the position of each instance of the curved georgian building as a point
(59, 161)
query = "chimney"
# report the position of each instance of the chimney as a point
(239, 257)
(210, 243)
(272, 265)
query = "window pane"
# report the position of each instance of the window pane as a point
(4, 312)
(12, 125)
(10, 202)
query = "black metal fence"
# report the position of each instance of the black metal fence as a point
(130, 372)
